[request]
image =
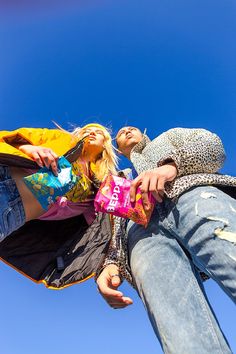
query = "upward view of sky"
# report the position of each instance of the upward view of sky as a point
(150, 63)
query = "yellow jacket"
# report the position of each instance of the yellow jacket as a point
(59, 141)
(57, 253)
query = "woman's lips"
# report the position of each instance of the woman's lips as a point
(129, 136)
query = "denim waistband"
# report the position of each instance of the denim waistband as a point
(7, 184)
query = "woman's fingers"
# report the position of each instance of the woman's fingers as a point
(49, 159)
(36, 157)
(133, 188)
(153, 181)
(108, 283)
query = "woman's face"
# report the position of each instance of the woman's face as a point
(95, 139)
(127, 138)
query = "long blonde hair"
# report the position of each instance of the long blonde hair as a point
(107, 161)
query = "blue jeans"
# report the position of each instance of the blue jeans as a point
(198, 230)
(12, 215)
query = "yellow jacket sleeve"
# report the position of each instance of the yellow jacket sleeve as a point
(55, 139)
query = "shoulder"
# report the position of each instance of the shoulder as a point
(184, 133)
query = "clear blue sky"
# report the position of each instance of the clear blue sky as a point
(151, 63)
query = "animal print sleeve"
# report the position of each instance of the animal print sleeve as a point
(117, 252)
(194, 151)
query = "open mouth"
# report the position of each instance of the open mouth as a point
(129, 135)
(91, 137)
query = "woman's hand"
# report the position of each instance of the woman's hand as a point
(153, 181)
(108, 283)
(42, 156)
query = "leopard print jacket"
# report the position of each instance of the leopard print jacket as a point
(198, 155)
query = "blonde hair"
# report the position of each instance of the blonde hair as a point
(107, 161)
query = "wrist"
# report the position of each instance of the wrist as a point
(21, 146)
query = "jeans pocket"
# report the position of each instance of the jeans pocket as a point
(8, 220)
(11, 217)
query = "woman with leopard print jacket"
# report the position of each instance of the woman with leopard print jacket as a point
(192, 227)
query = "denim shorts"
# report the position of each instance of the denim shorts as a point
(12, 215)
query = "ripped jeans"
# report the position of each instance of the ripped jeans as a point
(198, 230)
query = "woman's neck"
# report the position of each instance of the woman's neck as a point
(89, 156)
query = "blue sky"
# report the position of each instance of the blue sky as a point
(149, 63)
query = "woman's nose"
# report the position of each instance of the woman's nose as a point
(92, 133)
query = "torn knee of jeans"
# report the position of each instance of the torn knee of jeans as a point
(232, 208)
(207, 195)
(222, 233)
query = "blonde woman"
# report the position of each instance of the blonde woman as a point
(66, 243)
